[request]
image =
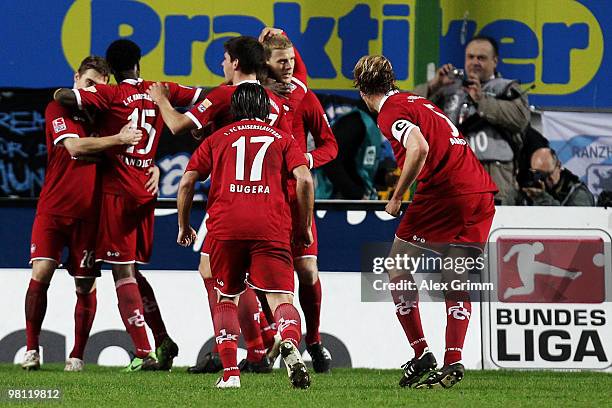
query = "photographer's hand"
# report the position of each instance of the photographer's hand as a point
(533, 192)
(442, 78)
(474, 89)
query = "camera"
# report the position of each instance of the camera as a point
(460, 74)
(533, 179)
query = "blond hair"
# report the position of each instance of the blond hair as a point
(276, 42)
(373, 74)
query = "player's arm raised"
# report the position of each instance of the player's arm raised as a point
(78, 146)
(186, 234)
(417, 150)
(176, 121)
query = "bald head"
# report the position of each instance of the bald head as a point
(545, 160)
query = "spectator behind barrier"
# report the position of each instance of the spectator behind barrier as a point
(548, 183)
(492, 112)
(351, 174)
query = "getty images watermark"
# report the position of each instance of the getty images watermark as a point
(430, 272)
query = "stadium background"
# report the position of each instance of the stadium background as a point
(561, 47)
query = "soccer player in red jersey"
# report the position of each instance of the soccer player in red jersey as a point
(250, 224)
(307, 116)
(125, 234)
(67, 215)
(243, 60)
(451, 213)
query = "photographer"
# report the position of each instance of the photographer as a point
(548, 183)
(490, 111)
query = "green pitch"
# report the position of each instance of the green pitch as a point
(345, 388)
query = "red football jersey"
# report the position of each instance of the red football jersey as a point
(250, 163)
(70, 188)
(216, 109)
(451, 168)
(129, 102)
(310, 117)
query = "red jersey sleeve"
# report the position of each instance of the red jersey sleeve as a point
(181, 95)
(201, 160)
(299, 70)
(62, 125)
(316, 122)
(294, 157)
(97, 96)
(206, 111)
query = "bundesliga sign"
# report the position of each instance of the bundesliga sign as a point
(551, 309)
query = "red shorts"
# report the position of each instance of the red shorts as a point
(125, 233)
(301, 251)
(268, 263)
(51, 233)
(464, 219)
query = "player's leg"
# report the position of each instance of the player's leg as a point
(84, 314)
(229, 262)
(309, 291)
(476, 213)
(48, 239)
(256, 360)
(271, 271)
(211, 363)
(290, 330)
(35, 309)
(82, 266)
(131, 310)
(310, 300)
(406, 299)
(165, 348)
(116, 244)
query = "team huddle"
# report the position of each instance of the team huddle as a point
(100, 190)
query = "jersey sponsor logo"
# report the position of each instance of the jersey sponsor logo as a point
(205, 104)
(59, 125)
(459, 312)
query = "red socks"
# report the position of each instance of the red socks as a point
(458, 313)
(131, 310)
(227, 330)
(289, 324)
(209, 284)
(267, 330)
(310, 301)
(84, 313)
(248, 315)
(407, 312)
(35, 309)
(151, 311)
